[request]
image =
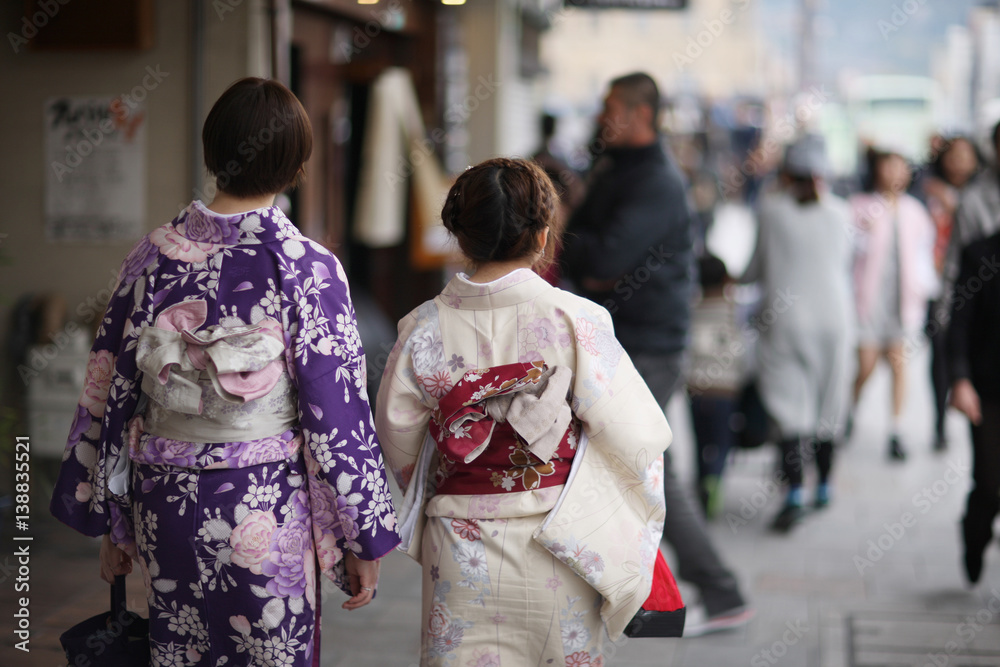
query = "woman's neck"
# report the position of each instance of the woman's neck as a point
(890, 196)
(487, 273)
(227, 204)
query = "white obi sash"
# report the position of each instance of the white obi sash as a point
(218, 384)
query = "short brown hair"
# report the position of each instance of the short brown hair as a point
(257, 138)
(497, 209)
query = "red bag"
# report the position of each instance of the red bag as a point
(662, 614)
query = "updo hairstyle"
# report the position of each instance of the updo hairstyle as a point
(497, 209)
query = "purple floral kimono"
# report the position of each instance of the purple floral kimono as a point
(224, 437)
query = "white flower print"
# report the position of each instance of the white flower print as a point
(264, 495)
(271, 301)
(171, 658)
(324, 457)
(480, 393)
(471, 559)
(187, 622)
(427, 351)
(348, 344)
(275, 653)
(252, 645)
(575, 636)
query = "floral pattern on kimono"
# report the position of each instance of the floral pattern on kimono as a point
(595, 538)
(322, 480)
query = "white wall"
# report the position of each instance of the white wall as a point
(505, 121)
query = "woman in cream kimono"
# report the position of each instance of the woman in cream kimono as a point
(528, 446)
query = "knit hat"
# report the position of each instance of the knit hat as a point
(807, 157)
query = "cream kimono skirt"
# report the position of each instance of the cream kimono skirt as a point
(493, 597)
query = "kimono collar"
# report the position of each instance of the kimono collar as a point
(261, 225)
(516, 287)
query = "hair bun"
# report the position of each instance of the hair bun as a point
(497, 208)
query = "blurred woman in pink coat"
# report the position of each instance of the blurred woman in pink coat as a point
(893, 276)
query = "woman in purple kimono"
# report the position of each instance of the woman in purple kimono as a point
(224, 438)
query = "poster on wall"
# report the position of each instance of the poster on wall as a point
(95, 168)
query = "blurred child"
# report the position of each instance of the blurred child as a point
(718, 364)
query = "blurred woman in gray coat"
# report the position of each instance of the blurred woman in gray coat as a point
(802, 263)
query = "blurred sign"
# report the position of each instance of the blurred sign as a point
(95, 178)
(628, 4)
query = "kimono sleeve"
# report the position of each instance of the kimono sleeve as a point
(401, 416)
(613, 508)
(92, 493)
(348, 489)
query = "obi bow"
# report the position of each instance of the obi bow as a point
(530, 397)
(242, 362)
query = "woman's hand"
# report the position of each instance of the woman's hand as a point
(363, 578)
(965, 399)
(114, 561)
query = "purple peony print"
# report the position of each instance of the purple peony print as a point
(141, 256)
(346, 525)
(81, 424)
(325, 515)
(291, 546)
(164, 451)
(204, 228)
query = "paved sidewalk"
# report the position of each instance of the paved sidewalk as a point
(873, 580)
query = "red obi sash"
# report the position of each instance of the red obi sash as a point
(505, 429)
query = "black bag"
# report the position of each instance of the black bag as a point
(753, 426)
(665, 615)
(117, 638)
(648, 623)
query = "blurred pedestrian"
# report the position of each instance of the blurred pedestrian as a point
(718, 367)
(493, 393)
(977, 216)
(893, 276)
(802, 262)
(629, 248)
(955, 163)
(974, 365)
(205, 444)
(569, 186)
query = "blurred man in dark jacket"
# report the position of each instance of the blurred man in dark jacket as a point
(628, 247)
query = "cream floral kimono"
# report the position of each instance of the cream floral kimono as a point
(520, 573)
